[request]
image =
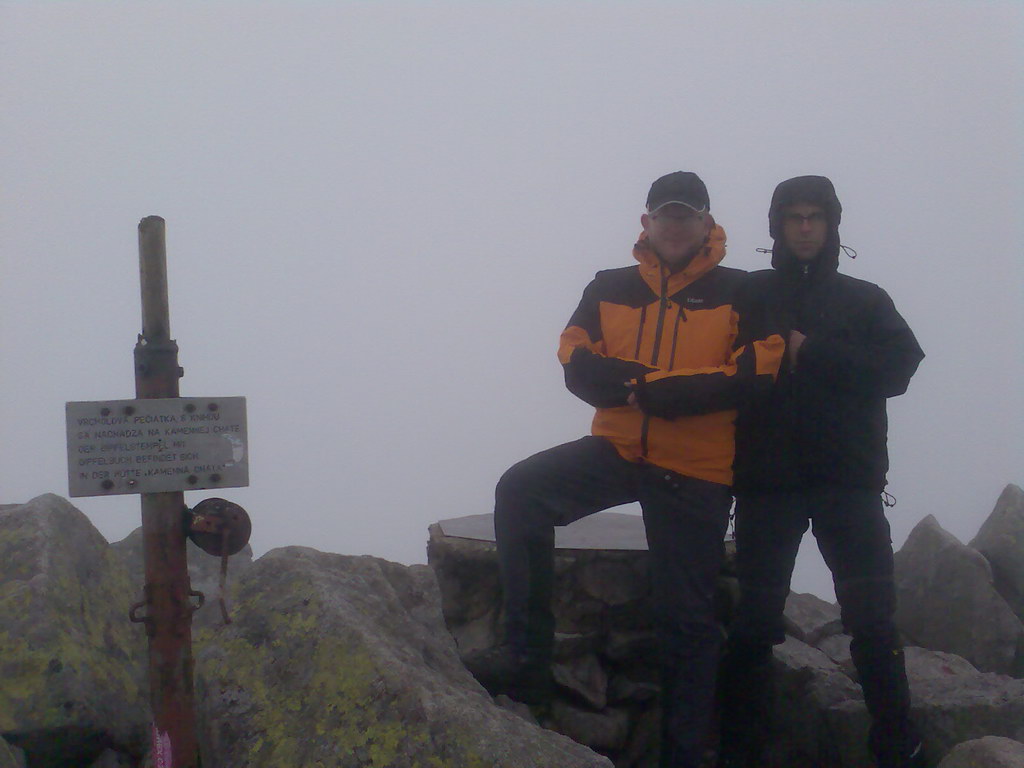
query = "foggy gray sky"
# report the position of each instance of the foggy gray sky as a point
(380, 216)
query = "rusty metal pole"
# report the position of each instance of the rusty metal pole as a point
(168, 609)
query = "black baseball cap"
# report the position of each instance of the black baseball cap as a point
(683, 187)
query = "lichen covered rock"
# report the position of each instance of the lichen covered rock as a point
(345, 661)
(71, 663)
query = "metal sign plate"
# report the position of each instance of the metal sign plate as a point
(158, 445)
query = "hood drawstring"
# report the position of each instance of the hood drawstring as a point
(888, 499)
(845, 249)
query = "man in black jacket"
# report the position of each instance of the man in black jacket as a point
(814, 451)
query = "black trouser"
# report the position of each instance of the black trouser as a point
(853, 536)
(685, 520)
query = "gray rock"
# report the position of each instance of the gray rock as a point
(585, 678)
(573, 646)
(810, 619)
(820, 718)
(614, 582)
(623, 687)
(947, 601)
(800, 667)
(925, 666)
(606, 730)
(953, 703)
(467, 574)
(1001, 541)
(837, 648)
(601, 591)
(516, 707)
(346, 660)
(988, 752)
(72, 664)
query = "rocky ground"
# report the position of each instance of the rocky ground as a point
(353, 661)
(964, 660)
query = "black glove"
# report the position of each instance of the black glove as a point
(601, 381)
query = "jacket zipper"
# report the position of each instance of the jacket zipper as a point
(640, 331)
(660, 327)
(799, 310)
(658, 330)
(680, 318)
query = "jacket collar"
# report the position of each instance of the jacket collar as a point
(825, 264)
(653, 270)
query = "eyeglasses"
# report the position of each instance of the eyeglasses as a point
(800, 219)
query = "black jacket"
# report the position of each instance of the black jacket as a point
(823, 423)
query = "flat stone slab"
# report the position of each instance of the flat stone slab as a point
(605, 530)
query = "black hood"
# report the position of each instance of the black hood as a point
(815, 190)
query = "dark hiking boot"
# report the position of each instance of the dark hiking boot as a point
(520, 676)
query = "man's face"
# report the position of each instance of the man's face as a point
(804, 230)
(676, 232)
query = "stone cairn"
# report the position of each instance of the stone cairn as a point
(605, 665)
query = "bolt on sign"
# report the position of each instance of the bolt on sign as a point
(156, 445)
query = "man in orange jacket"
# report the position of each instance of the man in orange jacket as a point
(660, 350)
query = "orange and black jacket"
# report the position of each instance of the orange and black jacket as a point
(679, 342)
